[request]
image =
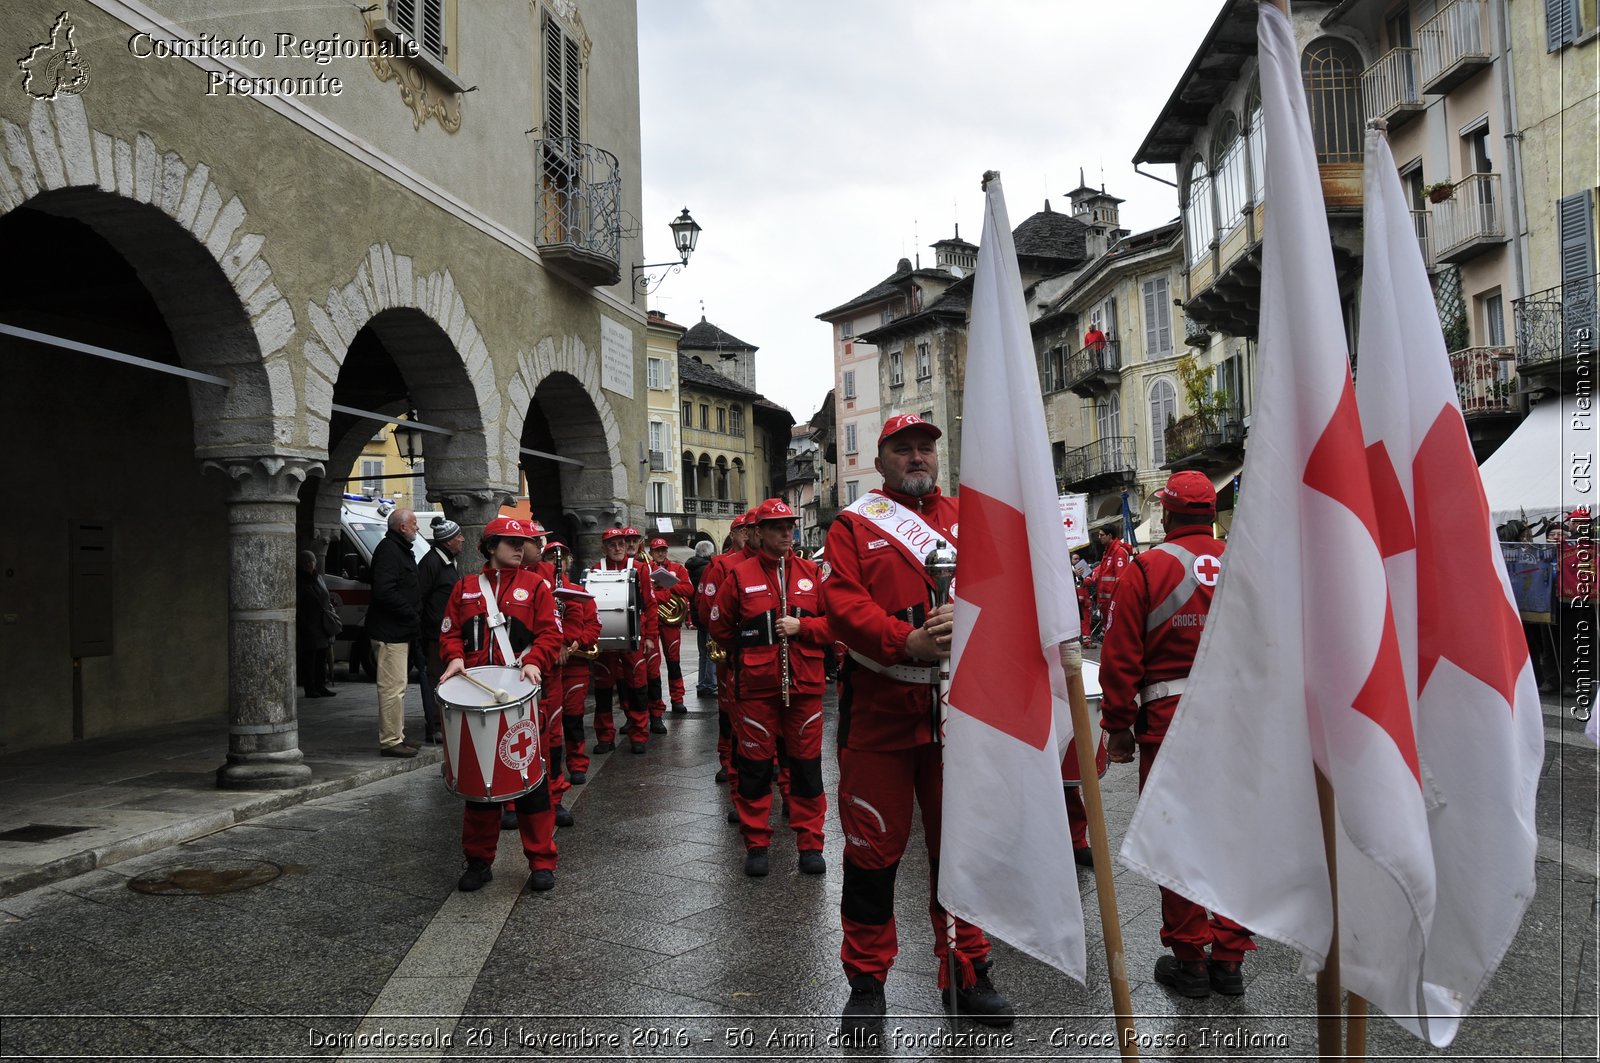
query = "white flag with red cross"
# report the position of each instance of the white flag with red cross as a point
(1301, 664)
(1006, 859)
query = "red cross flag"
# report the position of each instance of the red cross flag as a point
(1006, 850)
(1310, 657)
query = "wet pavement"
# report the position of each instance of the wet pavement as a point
(325, 923)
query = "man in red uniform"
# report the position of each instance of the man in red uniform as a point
(625, 669)
(710, 583)
(568, 681)
(877, 597)
(1114, 557)
(768, 615)
(466, 639)
(647, 602)
(1152, 633)
(671, 633)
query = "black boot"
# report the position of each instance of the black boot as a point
(982, 1002)
(866, 1005)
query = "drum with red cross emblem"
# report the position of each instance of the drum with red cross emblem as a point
(492, 750)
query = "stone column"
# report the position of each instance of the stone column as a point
(472, 508)
(263, 729)
(591, 521)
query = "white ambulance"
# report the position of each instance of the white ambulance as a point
(363, 522)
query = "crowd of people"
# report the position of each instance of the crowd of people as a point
(775, 628)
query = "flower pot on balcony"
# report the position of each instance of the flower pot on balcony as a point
(1440, 192)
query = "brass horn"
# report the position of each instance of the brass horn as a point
(672, 611)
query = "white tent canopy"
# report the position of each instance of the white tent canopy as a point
(1527, 477)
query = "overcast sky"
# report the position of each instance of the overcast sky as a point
(818, 143)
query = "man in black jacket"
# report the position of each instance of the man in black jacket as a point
(436, 575)
(393, 623)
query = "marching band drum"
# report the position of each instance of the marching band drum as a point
(492, 748)
(1102, 755)
(616, 599)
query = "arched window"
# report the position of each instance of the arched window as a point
(688, 476)
(1255, 137)
(704, 482)
(736, 483)
(1331, 70)
(1163, 411)
(1228, 164)
(1198, 224)
(720, 480)
(1108, 418)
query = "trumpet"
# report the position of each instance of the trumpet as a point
(715, 651)
(672, 611)
(783, 640)
(588, 653)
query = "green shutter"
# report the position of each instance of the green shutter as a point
(1578, 283)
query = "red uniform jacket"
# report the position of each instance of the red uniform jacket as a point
(683, 588)
(1110, 569)
(545, 571)
(742, 620)
(872, 593)
(711, 580)
(530, 613)
(649, 625)
(580, 623)
(1154, 628)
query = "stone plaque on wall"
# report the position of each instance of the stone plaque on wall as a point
(616, 357)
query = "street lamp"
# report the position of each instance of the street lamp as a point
(685, 234)
(408, 440)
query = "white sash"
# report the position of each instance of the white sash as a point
(915, 537)
(497, 623)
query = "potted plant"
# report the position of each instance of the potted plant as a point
(1439, 191)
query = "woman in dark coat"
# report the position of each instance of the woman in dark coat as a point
(314, 621)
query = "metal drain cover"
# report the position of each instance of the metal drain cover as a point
(221, 876)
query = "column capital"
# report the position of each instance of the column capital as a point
(471, 498)
(266, 477)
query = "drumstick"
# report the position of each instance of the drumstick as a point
(500, 696)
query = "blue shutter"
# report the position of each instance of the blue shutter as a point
(1578, 281)
(1560, 23)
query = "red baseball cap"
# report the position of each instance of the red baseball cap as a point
(506, 528)
(771, 509)
(633, 533)
(905, 422)
(1189, 492)
(554, 544)
(612, 533)
(658, 544)
(536, 529)
(1581, 513)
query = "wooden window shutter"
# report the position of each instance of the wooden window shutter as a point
(1560, 23)
(1578, 283)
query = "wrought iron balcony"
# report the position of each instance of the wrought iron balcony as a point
(714, 507)
(579, 219)
(1419, 218)
(1555, 327)
(1200, 440)
(1094, 370)
(1471, 221)
(1389, 87)
(1103, 463)
(1196, 333)
(1454, 45)
(1485, 379)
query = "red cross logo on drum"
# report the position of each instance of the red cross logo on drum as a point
(1206, 569)
(518, 745)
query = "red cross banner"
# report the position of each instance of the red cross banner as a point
(1313, 652)
(1006, 850)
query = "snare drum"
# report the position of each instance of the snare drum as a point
(1070, 775)
(492, 752)
(616, 599)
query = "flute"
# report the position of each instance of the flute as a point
(783, 640)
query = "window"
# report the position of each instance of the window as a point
(897, 374)
(1494, 319)
(658, 374)
(423, 22)
(1575, 218)
(1331, 70)
(660, 497)
(1108, 418)
(720, 479)
(852, 491)
(736, 420)
(886, 315)
(1232, 383)
(1567, 21)
(847, 330)
(924, 362)
(722, 419)
(563, 82)
(1475, 156)
(1058, 457)
(372, 476)
(658, 436)
(1198, 228)
(849, 383)
(1256, 143)
(926, 415)
(1228, 164)
(705, 416)
(850, 438)
(1163, 411)
(1157, 318)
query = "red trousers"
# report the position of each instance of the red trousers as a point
(876, 789)
(551, 728)
(671, 649)
(758, 726)
(623, 672)
(574, 683)
(1077, 817)
(536, 822)
(1186, 927)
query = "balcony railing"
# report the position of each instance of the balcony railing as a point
(714, 507)
(1094, 368)
(1555, 324)
(1109, 459)
(1453, 45)
(579, 197)
(1196, 333)
(1197, 433)
(1389, 86)
(1484, 379)
(1419, 218)
(1470, 221)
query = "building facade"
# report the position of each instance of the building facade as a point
(293, 252)
(664, 432)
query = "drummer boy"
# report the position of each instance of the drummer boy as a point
(525, 632)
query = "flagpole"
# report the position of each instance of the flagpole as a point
(1330, 1035)
(1355, 1028)
(1104, 885)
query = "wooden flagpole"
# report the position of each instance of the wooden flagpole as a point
(1355, 1027)
(1104, 886)
(1330, 1009)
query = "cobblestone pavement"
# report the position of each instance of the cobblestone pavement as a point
(654, 944)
